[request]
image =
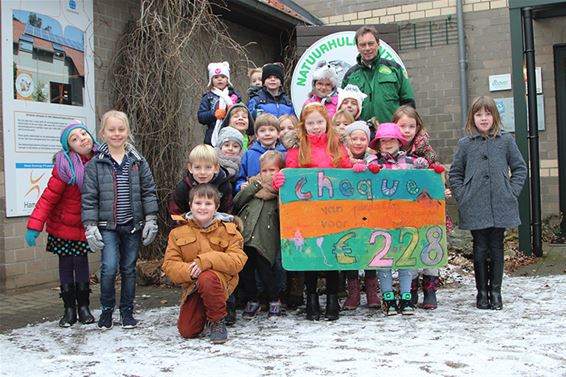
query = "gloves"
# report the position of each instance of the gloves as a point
(220, 114)
(149, 229)
(94, 238)
(278, 181)
(31, 235)
(359, 167)
(374, 168)
(438, 169)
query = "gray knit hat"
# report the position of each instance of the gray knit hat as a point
(358, 126)
(230, 133)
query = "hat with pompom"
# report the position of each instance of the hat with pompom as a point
(352, 91)
(215, 69)
(325, 71)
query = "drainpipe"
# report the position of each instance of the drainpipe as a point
(462, 63)
(529, 51)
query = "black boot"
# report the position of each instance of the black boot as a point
(313, 307)
(83, 294)
(68, 295)
(332, 307)
(496, 265)
(481, 267)
(415, 291)
(430, 285)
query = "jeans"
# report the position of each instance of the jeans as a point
(386, 280)
(121, 246)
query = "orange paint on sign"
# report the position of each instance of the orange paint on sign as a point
(319, 218)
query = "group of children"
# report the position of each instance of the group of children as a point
(224, 211)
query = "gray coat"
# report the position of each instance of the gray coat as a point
(98, 198)
(479, 176)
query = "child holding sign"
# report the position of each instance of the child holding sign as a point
(318, 147)
(487, 194)
(389, 141)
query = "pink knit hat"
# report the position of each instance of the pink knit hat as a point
(387, 131)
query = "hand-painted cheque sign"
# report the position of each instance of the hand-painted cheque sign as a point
(335, 219)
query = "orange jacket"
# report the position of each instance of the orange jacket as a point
(218, 248)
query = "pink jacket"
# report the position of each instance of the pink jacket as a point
(331, 106)
(319, 157)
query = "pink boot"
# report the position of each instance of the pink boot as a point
(371, 292)
(353, 300)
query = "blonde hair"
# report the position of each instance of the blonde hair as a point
(332, 144)
(272, 156)
(116, 115)
(410, 112)
(293, 119)
(203, 152)
(487, 103)
(342, 113)
(266, 119)
(252, 71)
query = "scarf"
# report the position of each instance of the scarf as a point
(71, 167)
(267, 192)
(230, 163)
(224, 102)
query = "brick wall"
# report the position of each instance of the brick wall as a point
(434, 71)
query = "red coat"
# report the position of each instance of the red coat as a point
(319, 157)
(60, 207)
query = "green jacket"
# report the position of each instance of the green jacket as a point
(261, 221)
(386, 85)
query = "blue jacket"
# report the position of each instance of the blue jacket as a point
(207, 108)
(264, 102)
(250, 162)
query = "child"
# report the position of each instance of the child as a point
(487, 194)
(418, 145)
(267, 135)
(341, 120)
(229, 149)
(119, 210)
(240, 118)
(203, 167)
(324, 84)
(217, 100)
(389, 141)
(351, 99)
(318, 147)
(204, 255)
(257, 206)
(286, 124)
(59, 207)
(271, 98)
(254, 75)
(357, 136)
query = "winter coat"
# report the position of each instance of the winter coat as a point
(179, 200)
(386, 85)
(480, 181)
(264, 102)
(208, 105)
(319, 156)
(99, 190)
(218, 247)
(258, 208)
(401, 161)
(331, 105)
(59, 207)
(250, 162)
(421, 147)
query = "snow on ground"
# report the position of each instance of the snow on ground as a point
(524, 339)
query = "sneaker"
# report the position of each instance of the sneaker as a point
(274, 309)
(105, 321)
(218, 333)
(389, 303)
(251, 310)
(127, 319)
(406, 304)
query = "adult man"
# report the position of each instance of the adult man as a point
(384, 81)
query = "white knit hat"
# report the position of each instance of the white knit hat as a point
(215, 69)
(325, 71)
(358, 125)
(351, 91)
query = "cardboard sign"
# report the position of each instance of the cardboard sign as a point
(336, 219)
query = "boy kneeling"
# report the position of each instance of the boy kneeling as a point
(204, 254)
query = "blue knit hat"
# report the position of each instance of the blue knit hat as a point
(64, 139)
